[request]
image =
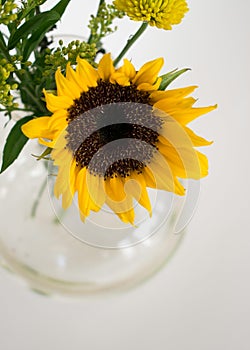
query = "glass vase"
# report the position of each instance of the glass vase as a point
(56, 253)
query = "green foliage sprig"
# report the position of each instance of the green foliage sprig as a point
(63, 55)
(101, 25)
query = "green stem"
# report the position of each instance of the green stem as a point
(91, 36)
(37, 201)
(131, 41)
(35, 100)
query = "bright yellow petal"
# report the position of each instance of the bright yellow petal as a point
(65, 184)
(183, 160)
(124, 75)
(128, 217)
(85, 201)
(173, 134)
(96, 189)
(171, 106)
(203, 163)
(115, 189)
(66, 87)
(159, 173)
(50, 144)
(119, 200)
(106, 67)
(149, 72)
(197, 141)
(150, 87)
(55, 103)
(120, 79)
(38, 128)
(154, 179)
(136, 186)
(127, 69)
(72, 76)
(175, 93)
(63, 177)
(86, 73)
(185, 117)
(83, 197)
(58, 121)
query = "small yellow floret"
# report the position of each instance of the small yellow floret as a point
(160, 13)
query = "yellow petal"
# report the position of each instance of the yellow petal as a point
(174, 93)
(150, 87)
(197, 141)
(185, 117)
(174, 133)
(136, 186)
(106, 67)
(115, 189)
(55, 103)
(203, 164)
(183, 159)
(173, 106)
(128, 217)
(119, 200)
(85, 201)
(49, 144)
(66, 182)
(72, 76)
(96, 189)
(83, 195)
(38, 127)
(127, 69)
(86, 73)
(60, 151)
(63, 177)
(58, 121)
(173, 158)
(66, 87)
(162, 176)
(120, 79)
(122, 201)
(149, 72)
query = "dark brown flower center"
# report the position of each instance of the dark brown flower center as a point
(112, 130)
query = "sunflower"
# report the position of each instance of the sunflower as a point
(113, 134)
(159, 13)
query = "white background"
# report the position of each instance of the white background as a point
(200, 300)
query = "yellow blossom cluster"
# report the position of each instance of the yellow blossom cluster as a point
(160, 13)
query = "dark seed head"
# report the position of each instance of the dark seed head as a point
(112, 130)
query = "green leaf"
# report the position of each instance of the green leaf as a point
(15, 142)
(32, 26)
(61, 7)
(28, 9)
(37, 27)
(38, 35)
(168, 78)
(51, 18)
